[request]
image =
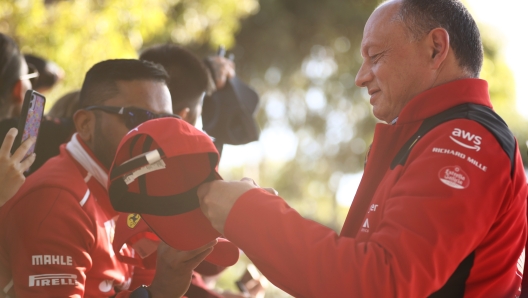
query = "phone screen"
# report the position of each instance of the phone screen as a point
(35, 112)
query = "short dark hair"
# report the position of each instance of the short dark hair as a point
(422, 16)
(10, 65)
(48, 71)
(188, 76)
(100, 82)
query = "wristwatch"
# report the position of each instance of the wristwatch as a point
(141, 292)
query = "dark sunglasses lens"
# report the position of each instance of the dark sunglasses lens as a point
(134, 118)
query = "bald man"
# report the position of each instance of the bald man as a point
(441, 208)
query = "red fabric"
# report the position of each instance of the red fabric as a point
(187, 156)
(419, 229)
(46, 218)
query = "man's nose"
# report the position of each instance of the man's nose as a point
(363, 76)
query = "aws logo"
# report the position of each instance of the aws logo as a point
(133, 219)
(462, 137)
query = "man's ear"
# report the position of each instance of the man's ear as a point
(439, 46)
(84, 125)
(183, 113)
(17, 94)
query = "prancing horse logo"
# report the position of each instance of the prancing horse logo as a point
(133, 219)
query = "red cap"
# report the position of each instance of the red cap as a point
(156, 172)
(134, 232)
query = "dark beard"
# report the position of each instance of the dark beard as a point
(102, 147)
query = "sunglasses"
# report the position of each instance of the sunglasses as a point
(132, 116)
(32, 74)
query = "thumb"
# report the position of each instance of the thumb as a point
(246, 179)
(203, 190)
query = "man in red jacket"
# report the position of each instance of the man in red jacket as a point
(56, 233)
(441, 208)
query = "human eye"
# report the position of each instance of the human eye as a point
(375, 57)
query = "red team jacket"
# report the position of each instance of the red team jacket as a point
(55, 236)
(450, 222)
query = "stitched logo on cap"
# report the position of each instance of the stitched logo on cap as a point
(133, 219)
(159, 165)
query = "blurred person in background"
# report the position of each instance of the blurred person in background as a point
(441, 208)
(57, 231)
(49, 73)
(189, 81)
(15, 78)
(12, 167)
(66, 106)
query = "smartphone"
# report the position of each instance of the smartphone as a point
(30, 119)
(250, 274)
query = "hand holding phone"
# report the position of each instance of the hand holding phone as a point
(12, 167)
(222, 68)
(30, 119)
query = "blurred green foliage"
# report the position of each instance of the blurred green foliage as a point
(77, 34)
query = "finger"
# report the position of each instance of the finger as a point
(28, 162)
(174, 256)
(193, 253)
(196, 260)
(203, 190)
(246, 179)
(231, 72)
(271, 191)
(203, 248)
(220, 82)
(8, 142)
(23, 149)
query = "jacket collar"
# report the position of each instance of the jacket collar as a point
(443, 97)
(86, 159)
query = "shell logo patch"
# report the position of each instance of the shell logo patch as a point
(133, 219)
(454, 177)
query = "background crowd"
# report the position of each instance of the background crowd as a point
(301, 65)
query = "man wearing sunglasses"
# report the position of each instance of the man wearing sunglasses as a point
(61, 223)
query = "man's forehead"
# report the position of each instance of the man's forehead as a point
(381, 22)
(149, 94)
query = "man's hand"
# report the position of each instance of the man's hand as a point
(174, 269)
(222, 69)
(12, 168)
(218, 197)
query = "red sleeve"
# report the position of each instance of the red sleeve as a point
(142, 277)
(427, 229)
(49, 241)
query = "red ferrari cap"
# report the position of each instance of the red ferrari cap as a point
(132, 231)
(158, 168)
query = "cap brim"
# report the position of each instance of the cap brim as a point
(130, 232)
(187, 231)
(224, 254)
(192, 230)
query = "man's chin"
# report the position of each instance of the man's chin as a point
(380, 115)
